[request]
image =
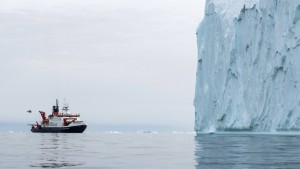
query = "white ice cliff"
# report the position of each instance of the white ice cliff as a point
(248, 75)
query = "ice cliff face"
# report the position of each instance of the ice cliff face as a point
(248, 75)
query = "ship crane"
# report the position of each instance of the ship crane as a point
(45, 120)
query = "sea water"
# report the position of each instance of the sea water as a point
(96, 150)
(114, 150)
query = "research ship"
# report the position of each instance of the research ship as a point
(59, 122)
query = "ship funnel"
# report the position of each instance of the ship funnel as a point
(55, 108)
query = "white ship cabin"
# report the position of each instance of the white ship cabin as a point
(63, 118)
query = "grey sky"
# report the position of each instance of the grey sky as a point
(115, 61)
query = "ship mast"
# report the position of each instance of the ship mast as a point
(65, 108)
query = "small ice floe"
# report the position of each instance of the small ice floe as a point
(183, 132)
(177, 132)
(190, 132)
(147, 132)
(113, 132)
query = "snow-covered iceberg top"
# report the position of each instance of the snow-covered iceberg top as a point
(230, 9)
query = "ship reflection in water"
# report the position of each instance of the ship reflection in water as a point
(56, 152)
(234, 150)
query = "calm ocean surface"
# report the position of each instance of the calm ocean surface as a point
(149, 150)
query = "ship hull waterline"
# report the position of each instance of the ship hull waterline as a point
(67, 129)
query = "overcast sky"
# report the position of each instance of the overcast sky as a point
(117, 62)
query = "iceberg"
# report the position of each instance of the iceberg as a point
(248, 72)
